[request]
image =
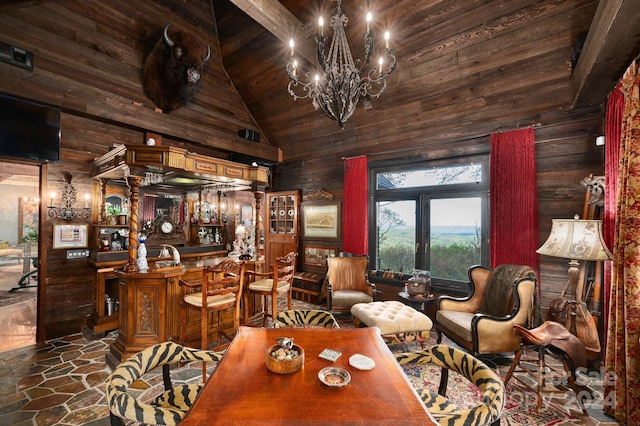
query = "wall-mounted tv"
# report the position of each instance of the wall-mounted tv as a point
(29, 130)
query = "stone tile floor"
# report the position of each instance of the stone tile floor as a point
(62, 381)
(58, 383)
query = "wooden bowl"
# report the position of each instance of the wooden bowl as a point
(284, 366)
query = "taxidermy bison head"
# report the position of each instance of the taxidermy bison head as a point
(172, 72)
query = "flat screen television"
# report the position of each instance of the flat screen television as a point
(29, 130)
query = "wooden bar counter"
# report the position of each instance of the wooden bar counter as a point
(150, 306)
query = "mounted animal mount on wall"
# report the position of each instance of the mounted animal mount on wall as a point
(172, 72)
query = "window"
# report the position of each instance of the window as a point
(431, 216)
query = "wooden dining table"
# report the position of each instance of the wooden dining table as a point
(242, 391)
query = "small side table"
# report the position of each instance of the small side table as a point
(426, 304)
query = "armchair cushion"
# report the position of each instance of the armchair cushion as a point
(458, 322)
(348, 298)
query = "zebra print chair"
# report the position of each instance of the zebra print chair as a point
(304, 318)
(168, 408)
(487, 411)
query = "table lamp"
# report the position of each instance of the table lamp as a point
(576, 240)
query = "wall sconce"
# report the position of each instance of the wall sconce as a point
(223, 207)
(68, 196)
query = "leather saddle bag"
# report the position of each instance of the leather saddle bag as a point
(577, 318)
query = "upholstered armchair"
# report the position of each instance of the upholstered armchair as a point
(304, 318)
(347, 282)
(168, 408)
(491, 392)
(482, 322)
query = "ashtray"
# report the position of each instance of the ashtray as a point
(334, 377)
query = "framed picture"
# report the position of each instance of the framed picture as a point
(28, 212)
(246, 214)
(317, 255)
(321, 220)
(69, 236)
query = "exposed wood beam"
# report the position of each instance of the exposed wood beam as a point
(277, 19)
(612, 43)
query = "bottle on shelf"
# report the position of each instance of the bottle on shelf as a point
(142, 263)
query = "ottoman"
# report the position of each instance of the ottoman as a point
(398, 323)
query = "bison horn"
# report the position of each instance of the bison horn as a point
(206, 58)
(166, 36)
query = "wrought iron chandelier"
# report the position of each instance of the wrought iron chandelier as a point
(341, 82)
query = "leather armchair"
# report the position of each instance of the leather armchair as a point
(347, 282)
(483, 321)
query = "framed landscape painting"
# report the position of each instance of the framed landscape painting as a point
(317, 255)
(321, 220)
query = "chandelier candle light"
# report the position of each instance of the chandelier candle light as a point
(339, 85)
(67, 211)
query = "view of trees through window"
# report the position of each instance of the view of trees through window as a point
(396, 235)
(429, 228)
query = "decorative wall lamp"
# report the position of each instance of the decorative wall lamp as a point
(576, 240)
(68, 196)
(338, 86)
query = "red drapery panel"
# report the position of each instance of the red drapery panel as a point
(613, 128)
(354, 212)
(148, 209)
(514, 199)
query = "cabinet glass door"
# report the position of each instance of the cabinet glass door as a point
(281, 236)
(282, 214)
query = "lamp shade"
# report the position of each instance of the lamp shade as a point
(576, 239)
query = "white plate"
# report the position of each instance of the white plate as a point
(361, 362)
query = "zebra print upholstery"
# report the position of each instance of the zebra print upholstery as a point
(304, 318)
(170, 407)
(487, 411)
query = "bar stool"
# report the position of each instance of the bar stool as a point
(550, 338)
(220, 290)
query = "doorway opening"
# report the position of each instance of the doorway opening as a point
(19, 230)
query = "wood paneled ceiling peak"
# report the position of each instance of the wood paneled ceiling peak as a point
(464, 68)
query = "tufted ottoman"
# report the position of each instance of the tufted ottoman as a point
(398, 323)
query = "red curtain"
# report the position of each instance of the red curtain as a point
(148, 209)
(514, 199)
(354, 212)
(613, 128)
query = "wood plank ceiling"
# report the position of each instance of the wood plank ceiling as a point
(466, 68)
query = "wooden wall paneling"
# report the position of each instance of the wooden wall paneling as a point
(565, 154)
(105, 84)
(87, 60)
(465, 69)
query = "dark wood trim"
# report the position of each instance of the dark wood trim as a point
(42, 258)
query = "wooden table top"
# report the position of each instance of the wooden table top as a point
(242, 391)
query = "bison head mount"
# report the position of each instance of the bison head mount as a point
(172, 72)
